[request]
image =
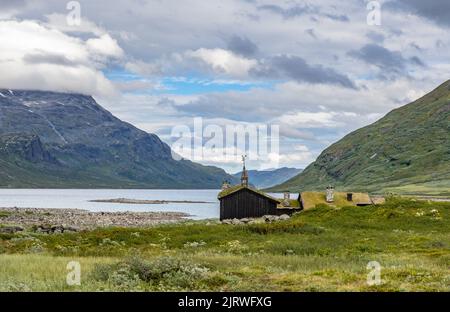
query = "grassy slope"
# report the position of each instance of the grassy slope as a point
(320, 249)
(407, 151)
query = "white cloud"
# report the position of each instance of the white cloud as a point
(224, 61)
(310, 120)
(299, 156)
(105, 46)
(59, 21)
(38, 57)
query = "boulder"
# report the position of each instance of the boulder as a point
(71, 229)
(270, 218)
(284, 217)
(57, 229)
(44, 229)
(235, 221)
(11, 229)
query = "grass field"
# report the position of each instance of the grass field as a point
(323, 249)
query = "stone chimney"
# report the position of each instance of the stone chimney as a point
(330, 194)
(287, 199)
(225, 185)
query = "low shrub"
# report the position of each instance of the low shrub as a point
(294, 227)
(162, 272)
(4, 214)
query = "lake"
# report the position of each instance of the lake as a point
(80, 199)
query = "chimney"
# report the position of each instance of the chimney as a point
(287, 199)
(330, 194)
(349, 196)
(225, 185)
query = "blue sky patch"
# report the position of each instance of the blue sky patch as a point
(186, 85)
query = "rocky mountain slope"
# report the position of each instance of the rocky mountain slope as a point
(407, 151)
(58, 140)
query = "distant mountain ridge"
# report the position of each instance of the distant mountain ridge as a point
(407, 151)
(268, 178)
(56, 140)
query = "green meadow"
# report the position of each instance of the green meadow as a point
(322, 249)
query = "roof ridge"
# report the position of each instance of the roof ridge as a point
(237, 188)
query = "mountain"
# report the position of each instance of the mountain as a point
(57, 140)
(268, 178)
(407, 151)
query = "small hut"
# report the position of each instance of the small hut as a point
(243, 201)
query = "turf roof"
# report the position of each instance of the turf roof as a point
(237, 188)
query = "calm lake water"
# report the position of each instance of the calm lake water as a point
(52, 198)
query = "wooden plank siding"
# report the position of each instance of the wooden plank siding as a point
(246, 204)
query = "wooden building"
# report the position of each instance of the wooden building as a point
(241, 201)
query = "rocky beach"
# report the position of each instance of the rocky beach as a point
(60, 220)
(147, 202)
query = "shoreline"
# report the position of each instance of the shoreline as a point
(79, 219)
(146, 201)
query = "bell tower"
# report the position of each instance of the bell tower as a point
(244, 176)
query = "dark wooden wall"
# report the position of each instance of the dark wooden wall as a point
(246, 204)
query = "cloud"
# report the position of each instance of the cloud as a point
(437, 11)
(138, 85)
(310, 120)
(38, 57)
(10, 7)
(299, 10)
(143, 68)
(242, 46)
(221, 62)
(338, 17)
(262, 105)
(104, 46)
(389, 62)
(294, 11)
(224, 61)
(8, 4)
(43, 57)
(299, 155)
(59, 22)
(311, 32)
(376, 37)
(296, 68)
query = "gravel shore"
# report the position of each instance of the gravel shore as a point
(83, 219)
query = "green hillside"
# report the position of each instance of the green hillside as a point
(407, 151)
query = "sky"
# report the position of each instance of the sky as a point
(317, 69)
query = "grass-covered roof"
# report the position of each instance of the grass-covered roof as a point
(293, 204)
(237, 188)
(311, 199)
